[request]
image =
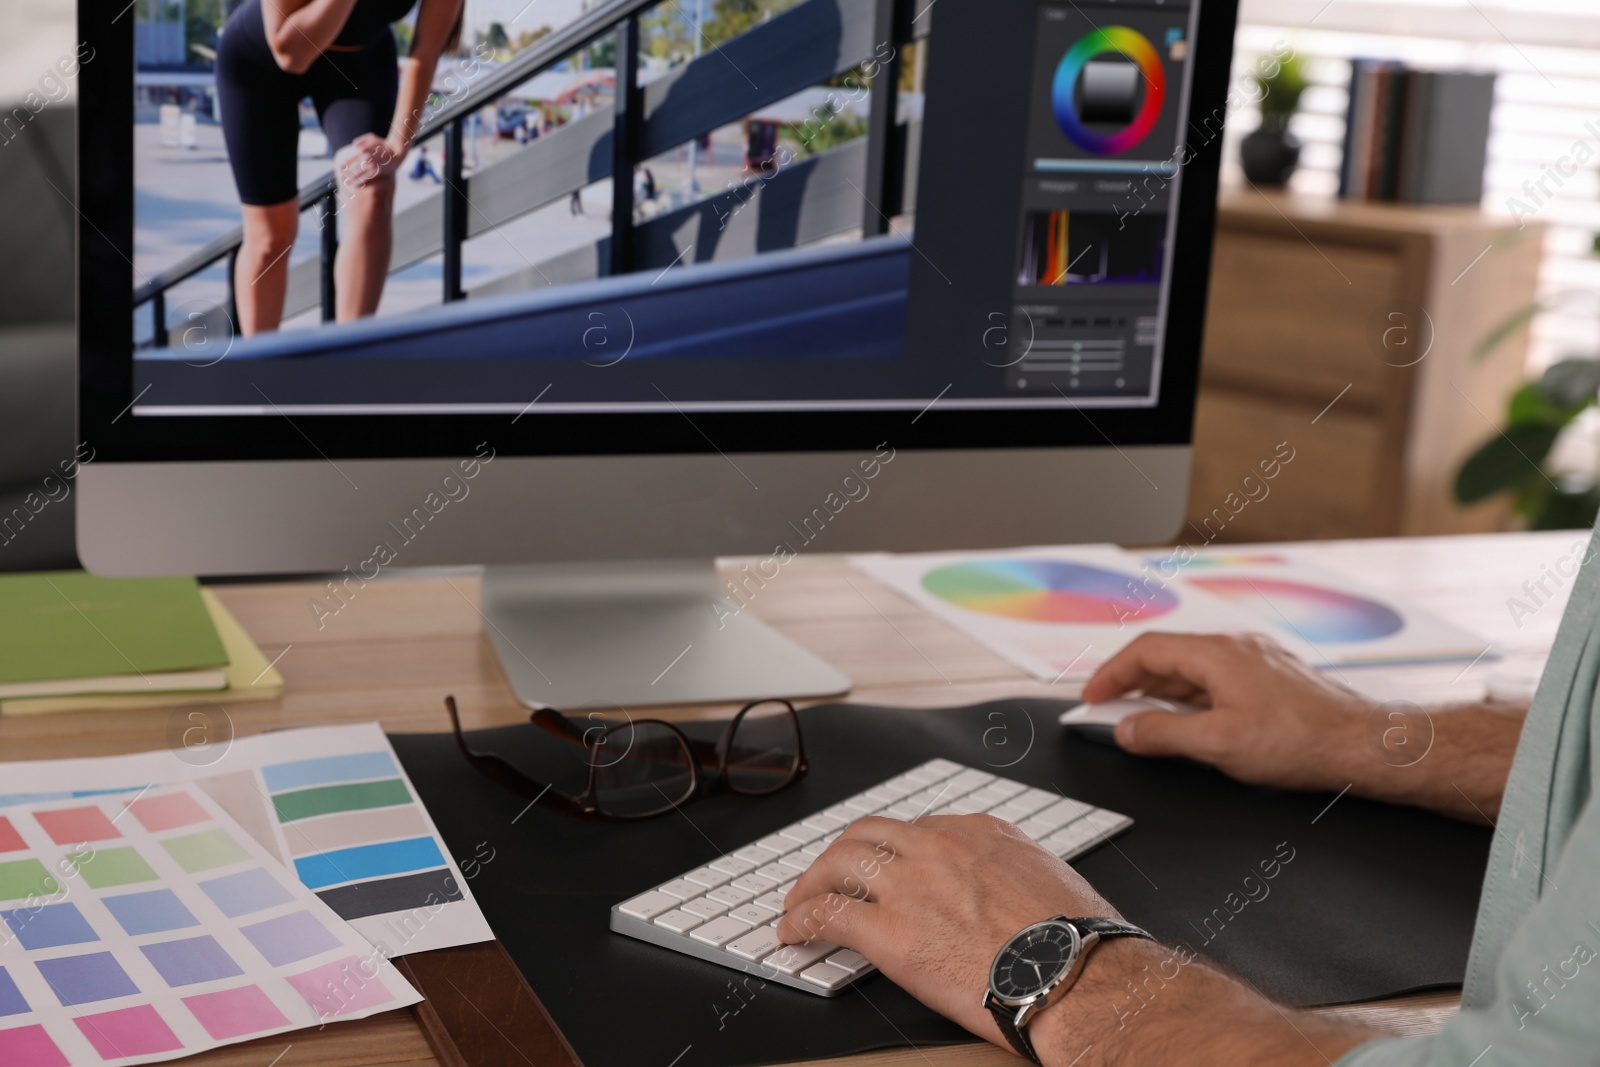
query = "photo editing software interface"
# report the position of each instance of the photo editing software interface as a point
(1045, 286)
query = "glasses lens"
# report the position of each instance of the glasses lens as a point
(764, 752)
(640, 769)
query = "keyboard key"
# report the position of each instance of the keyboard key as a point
(647, 906)
(816, 848)
(1006, 787)
(798, 862)
(776, 843)
(775, 871)
(754, 884)
(943, 767)
(758, 943)
(785, 887)
(751, 915)
(732, 866)
(924, 774)
(773, 902)
(850, 960)
(1062, 812)
(988, 796)
(682, 889)
(708, 877)
(757, 854)
(678, 921)
(862, 806)
(719, 931)
(844, 812)
(704, 908)
(1035, 799)
(964, 806)
(801, 833)
(826, 975)
(969, 780)
(905, 811)
(792, 959)
(823, 823)
(1011, 811)
(730, 896)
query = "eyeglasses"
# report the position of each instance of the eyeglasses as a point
(640, 768)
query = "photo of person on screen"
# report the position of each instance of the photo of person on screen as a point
(341, 54)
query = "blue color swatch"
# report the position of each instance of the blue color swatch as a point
(329, 770)
(154, 912)
(290, 938)
(194, 959)
(86, 979)
(368, 861)
(11, 1000)
(245, 892)
(50, 926)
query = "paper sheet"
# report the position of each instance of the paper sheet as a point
(1059, 613)
(148, 926)
(330, 803)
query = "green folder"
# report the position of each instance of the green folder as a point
(70, 632)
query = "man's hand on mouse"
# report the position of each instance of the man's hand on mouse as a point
(1269, 719)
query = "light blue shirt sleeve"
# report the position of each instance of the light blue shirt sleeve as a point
(1532, 991)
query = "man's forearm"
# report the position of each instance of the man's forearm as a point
(1141, 1003)
(1453, 760)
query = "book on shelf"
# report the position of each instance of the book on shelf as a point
(1415, 136)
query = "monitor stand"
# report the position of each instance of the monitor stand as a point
(636, 634)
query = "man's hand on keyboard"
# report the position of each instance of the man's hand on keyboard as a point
(931, 902)
(1274, 721)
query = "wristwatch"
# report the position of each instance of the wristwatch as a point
(1033, 969)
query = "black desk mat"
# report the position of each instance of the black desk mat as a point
(1375, 901)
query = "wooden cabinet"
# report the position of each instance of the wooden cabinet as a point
(1346, 333)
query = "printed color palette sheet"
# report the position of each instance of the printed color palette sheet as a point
(331, 803)
(141, 928)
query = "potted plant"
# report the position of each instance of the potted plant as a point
(1270, 153)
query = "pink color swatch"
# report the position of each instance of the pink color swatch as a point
(29, 1046)
(168, 812)
(70, 826)
(136, 1031)
(236, 1012)
(345, 985)
(10, 840)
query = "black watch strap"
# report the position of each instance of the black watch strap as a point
(1006, 1018)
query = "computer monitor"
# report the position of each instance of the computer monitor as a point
(950, 297)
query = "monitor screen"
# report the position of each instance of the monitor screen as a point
(1041, 255)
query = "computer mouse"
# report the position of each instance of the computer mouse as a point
(1098, 722)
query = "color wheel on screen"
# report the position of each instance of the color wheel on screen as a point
(1067, 100)
(1047, 591)
(1312, 612)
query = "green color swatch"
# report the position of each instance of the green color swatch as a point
(106, 867)
(304, 803)
(68, 624)
(21, 879)
(205, 850)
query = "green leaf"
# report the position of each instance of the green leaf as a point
(1507, 460)
(1566, 509)
(1529, 404)
(1571, 383)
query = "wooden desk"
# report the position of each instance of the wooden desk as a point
(402, 644)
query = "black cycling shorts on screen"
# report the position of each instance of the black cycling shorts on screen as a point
(352, 84)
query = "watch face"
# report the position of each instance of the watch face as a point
(1032, 961)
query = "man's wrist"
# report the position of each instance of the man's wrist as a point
(1119, 978)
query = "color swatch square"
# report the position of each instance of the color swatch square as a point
(50, 926)
(343, 986)
(30, 1046)
(204, 850)
(71, 826)
(136, 1031)
(245, 892)
(10, 840)
(191, 960)
(21, 879)
(168, 812)
(152, 912)
(105, 868)
(86, 979)
(12, 1002)
(233, 1013)
(290, 938)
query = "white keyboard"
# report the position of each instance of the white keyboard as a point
(726, 911)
